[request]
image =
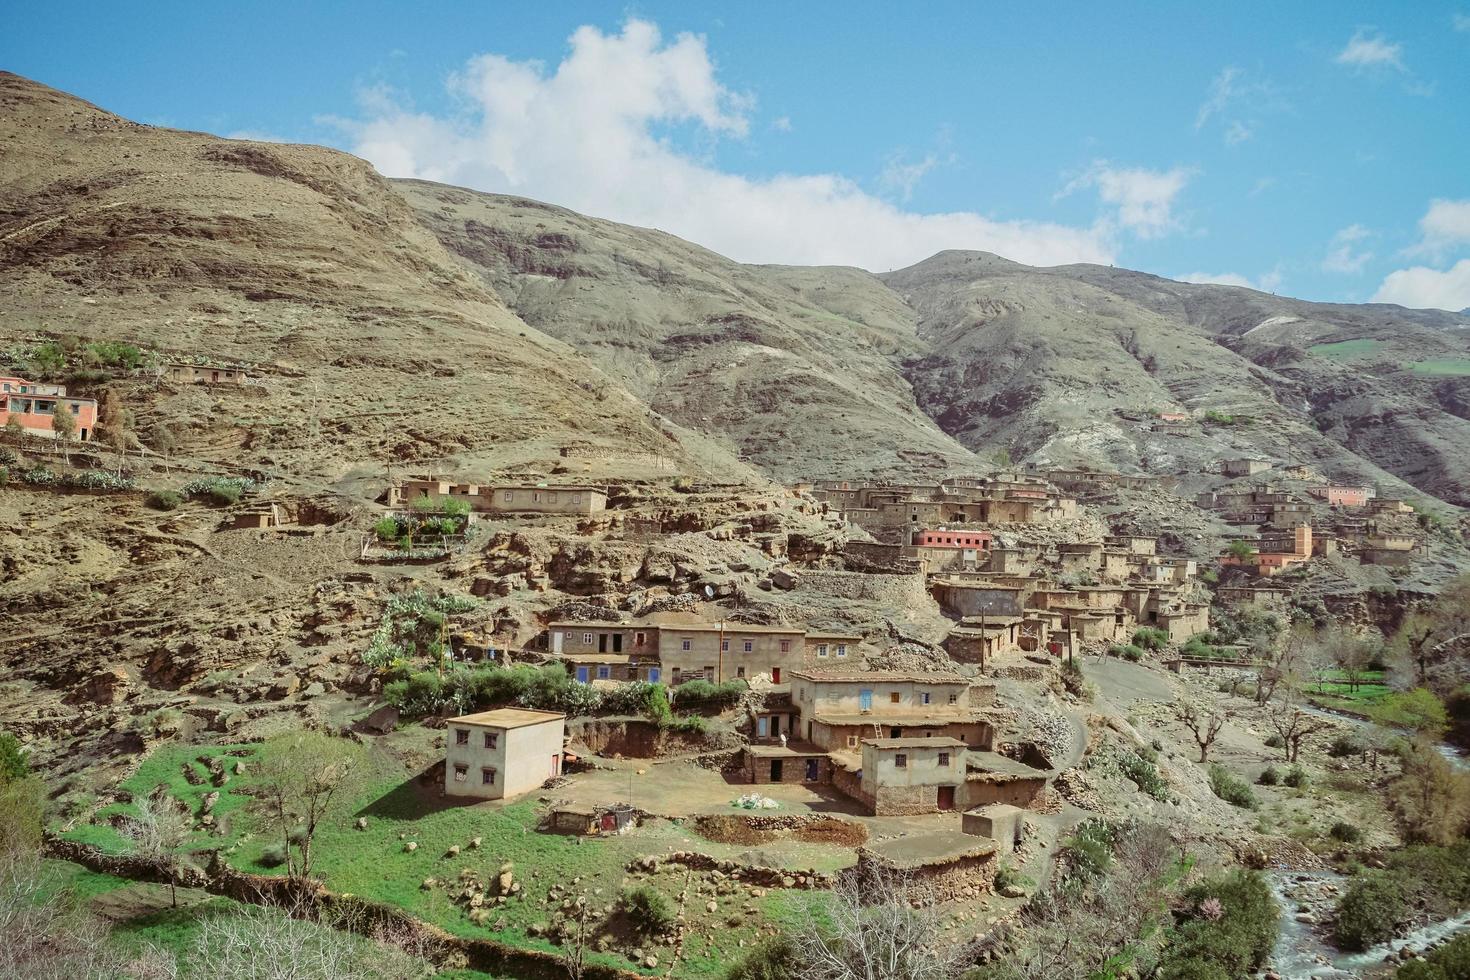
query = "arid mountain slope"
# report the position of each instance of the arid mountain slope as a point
(372, 342)
(797, 368)
(1069, 364)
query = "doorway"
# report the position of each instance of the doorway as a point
(946, 798)
(775, 770)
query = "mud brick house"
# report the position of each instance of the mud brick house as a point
(503, 498)
(977, 640)
(502, 753)
(974, 599)
(912, 774)
(1276, 553)
(839, 710)
(738, 651)
(201, 374)
(991, 779)
(1243, 467)
(794, 762)
(35, 406)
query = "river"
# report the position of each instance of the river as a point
(1307, 898)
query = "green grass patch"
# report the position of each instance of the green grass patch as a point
(373, 863)
(1442, 367)
(1347, 349)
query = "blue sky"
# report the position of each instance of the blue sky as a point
(1318, 149)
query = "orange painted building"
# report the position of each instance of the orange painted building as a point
(35, 406)
(1271, 560)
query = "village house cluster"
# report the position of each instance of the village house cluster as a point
(1287, 524)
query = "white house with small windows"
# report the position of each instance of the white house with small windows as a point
(537, 498)
(499, 754)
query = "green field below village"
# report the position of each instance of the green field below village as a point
(1449, 367)
(1335, 692)
(1347, 349)
(374, 863)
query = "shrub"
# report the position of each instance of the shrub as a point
(702, 692)
(219, 490)
(1144, 774)
(1275, 742)
(1345, 745)
(1449, 962)
(1150, 638)
(775, 959)
(688, 725)
(1127, 651)
(1231, 788)
(1089, 851)
(13, 762)
(1296, 777)
(1007, 876)
(387, 529)
(649, 909)
(7, 457)
(164, 500)
(1372, 911)
(1232, 929)
(273, 856)
(1346, 832)
(1269, 776)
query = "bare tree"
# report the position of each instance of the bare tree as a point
(879, 925)
(1285, 661)
(303, 779)
(158, 833)
(1293, 724)
(1205, 727)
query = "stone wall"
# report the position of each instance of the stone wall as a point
(994, 788)
(848, 782)
(896, 590)
(894, 801)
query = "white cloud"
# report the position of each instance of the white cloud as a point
(598, 133)
(1144, 199)
(1370, 49)
(902, 176)
(1234, 98)
(1421, 287)
(1445, 225)
(1222, 90)
(1266, 284)
(781, 124)
(1342, 253)
(1462, 22)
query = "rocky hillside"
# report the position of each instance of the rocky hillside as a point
(798, 369)
(1069, 364)
(372, 343)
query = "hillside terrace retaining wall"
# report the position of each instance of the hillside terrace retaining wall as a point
(442, 948)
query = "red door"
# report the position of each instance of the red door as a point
(775, 675)
(555, 766)
(946, 797)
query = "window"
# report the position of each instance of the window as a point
(535, 496)
(944, 758)
(901, 761)
(685, 645)
(604, 673)
(492, 740)
(739, 671)
(576, 498)
(842, 649)
(510, 495)
(785, 646)
(640, 638)
(487, 777)
(852, 741)
(748, 646)
(553, 496)
(893, 698)
(461, 736)
(725, 646)
(460, 772)
(954, 698)
(924, 698)
(587, 638)
(821, 649)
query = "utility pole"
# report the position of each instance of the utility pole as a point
(720, 656)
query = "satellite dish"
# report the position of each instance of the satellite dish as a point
(709, 591)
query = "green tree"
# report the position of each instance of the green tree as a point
(14, 431)
(304, 779)
(1240, 550)
(13, 763)
(1419, 711)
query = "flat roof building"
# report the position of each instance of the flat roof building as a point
(499, 754)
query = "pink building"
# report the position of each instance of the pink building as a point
(35, 406)
(940, 538)
(1337, 496)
